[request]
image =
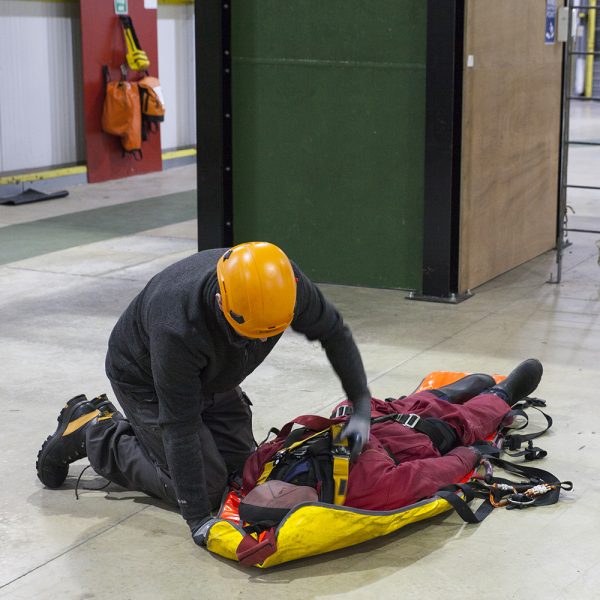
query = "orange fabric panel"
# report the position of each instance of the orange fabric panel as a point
(438, 379)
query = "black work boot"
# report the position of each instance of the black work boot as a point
(466, 388)
(67, 443)
(521, 381)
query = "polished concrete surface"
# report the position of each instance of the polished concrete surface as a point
(57, 310)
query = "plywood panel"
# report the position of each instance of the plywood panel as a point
(511, 136)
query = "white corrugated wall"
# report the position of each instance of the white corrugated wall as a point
(177, 74)
(41, 104)
(40, 84)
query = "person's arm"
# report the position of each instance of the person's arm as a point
(318, 319)
(375, 481)
(176, 372)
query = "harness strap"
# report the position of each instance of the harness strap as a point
(270, 465)
(440, 433)
(341, 464)
(340, 453)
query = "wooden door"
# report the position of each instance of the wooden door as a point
(511, 138)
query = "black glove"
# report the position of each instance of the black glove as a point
(358, 426)
(200, 528)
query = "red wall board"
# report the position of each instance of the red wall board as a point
(103, 44)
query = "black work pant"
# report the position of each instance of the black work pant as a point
(130, 451)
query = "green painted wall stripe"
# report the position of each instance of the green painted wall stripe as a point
(25, 240)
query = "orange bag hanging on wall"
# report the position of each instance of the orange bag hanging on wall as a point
(153, 104)
(122, 115)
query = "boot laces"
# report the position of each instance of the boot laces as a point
(108, 482)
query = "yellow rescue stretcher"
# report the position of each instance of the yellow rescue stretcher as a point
(316, 528)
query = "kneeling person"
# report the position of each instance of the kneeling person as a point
(176, 359)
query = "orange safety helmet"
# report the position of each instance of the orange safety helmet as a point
(258, 289)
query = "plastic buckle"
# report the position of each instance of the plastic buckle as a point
(299, 452)
(409, 421)
(512, 442)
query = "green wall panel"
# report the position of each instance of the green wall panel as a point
(328, 134)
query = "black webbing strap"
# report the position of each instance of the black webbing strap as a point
(442, 436)
(535, 476)
(460, 504)
(475, 489)
(514, 441)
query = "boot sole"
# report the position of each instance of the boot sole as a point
(53, 439)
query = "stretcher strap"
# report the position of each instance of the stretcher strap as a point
(474, 489)
(460, 505)
(252, 552)
(514, 441)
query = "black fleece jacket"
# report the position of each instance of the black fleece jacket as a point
(174, 343)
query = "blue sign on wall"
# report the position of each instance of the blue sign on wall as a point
(550, 37)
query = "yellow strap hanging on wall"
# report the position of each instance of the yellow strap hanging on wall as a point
(137, 59)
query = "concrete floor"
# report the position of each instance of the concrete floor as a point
(57, 312)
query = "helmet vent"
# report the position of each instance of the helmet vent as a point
(237, 318)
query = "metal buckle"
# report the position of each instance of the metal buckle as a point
(342, 411)
(339, 450)
(410, 420)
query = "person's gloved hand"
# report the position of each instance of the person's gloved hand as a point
(200, 529)
(358, 426)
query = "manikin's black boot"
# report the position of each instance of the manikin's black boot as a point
(521, 382)
(67, 443)
(466, 388)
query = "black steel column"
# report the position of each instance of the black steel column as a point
(213, 123)
(441, 223)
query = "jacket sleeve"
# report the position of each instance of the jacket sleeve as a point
(376, 482)
(176, 372)
(318, 319)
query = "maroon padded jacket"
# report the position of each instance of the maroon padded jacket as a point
(400, 466)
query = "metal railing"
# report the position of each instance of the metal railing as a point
(569, 54)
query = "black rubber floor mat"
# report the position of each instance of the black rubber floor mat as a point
(32, 195)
